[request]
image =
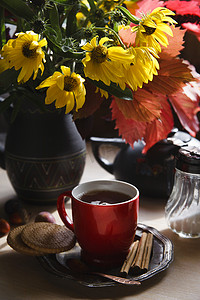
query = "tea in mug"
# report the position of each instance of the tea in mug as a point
(104, 197)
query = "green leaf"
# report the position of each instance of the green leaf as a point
(19, 8)
(54, 20)
(71, 20)
(7, 78)
(2, 28)
(127, 14)
(62, 2)
(51, 35)
(114, 90)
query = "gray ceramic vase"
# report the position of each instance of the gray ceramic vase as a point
(44, 155)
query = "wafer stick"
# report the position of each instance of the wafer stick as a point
(147, 254)
(128, 261)
(139, 255)
(137, 263)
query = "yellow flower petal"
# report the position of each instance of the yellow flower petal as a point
(65, 70)
(60, 82)
(70, 103)
(91, 45)
(104, 40)
(49, 81)
(161, 38)
(43, 42)
(61, 99)
(51, 94)
(164, 27)
(120, 55)
(94, 41)
(103, 92)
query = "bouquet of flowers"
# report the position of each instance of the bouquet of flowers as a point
(128, 50)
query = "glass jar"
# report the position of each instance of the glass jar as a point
(183, 206)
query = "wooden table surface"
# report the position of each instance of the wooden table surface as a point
(23, 278)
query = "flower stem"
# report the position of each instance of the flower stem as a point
(131, 18)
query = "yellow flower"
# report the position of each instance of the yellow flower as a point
(152, 27)
(65, 88)
(143, 68)
(105, 64)
(25, 53)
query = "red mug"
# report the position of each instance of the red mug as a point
(104, 232)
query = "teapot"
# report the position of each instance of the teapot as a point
(153, 172)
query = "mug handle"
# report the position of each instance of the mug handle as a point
(62, 212)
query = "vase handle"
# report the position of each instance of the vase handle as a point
(62, 211)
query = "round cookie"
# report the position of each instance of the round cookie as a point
(14, 241)
(48, 237)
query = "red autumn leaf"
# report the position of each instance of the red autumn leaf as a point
(144, 107)
(172, 76)
(186, 102)
(92, 102)
(186, 110)
(127, 36)
(183, 7)
(146, 6)
(152, 132)
(184, 98)
(175, 44)
(159, 129)
(130, 130)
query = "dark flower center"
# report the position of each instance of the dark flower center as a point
(70, 83)
(99, 54)
(118, 16)
(27, 52)
(99, 13)
(149, 30)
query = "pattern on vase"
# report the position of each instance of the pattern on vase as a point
(44, 174)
